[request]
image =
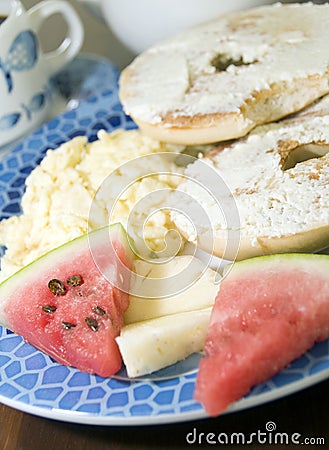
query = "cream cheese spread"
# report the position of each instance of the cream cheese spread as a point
(182, 75)
(278, 178)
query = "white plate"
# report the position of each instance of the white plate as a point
(31, 381)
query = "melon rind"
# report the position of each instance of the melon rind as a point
(307, 261)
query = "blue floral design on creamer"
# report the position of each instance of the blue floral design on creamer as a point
(37, 102)
(22, 55)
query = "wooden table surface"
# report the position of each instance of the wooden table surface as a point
(305, 413)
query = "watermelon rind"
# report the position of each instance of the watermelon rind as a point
(305, 260)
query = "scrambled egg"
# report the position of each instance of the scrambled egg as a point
(65, 195)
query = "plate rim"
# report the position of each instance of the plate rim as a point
(85, 418)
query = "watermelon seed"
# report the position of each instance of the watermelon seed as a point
(92, 323)
(74, 280)
(68, 325)
(98, 310)
(56, 287)
(49, 308)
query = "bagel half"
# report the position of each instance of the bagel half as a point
(277, 181)
(218, 80)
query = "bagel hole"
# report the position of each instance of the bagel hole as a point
(304, 153)
(221, 62)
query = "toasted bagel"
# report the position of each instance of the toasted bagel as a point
(277, 179)
(219, 80)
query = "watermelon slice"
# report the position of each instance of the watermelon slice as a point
(268, 312)
(66, 307)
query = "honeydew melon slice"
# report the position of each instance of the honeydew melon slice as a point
(184, 283)
(151, 345)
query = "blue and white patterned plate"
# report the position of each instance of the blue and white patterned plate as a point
(31, 381)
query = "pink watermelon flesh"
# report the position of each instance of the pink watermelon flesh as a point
(80, 330)
(268, 312)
